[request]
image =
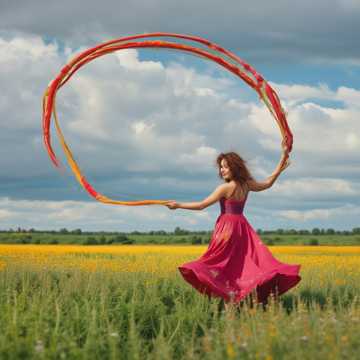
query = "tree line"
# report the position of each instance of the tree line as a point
(180, 231)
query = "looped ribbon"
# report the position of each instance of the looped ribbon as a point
(210, 51)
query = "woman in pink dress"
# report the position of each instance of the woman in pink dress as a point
(236, 262)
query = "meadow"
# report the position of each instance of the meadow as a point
(130, 302)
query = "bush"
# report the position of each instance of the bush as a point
(90, 240)
(24, 239)
(122, 239)
(196, 239)
(314, 242)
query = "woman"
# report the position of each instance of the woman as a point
(236, 261)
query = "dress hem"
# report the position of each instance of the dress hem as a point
(264, 286)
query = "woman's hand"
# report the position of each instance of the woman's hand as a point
(286, 164)
(172, 204)
(285, 155)
(284, 146)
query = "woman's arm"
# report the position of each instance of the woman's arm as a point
(269, 181)
(283, 163)
(196, 205)
(215, 196)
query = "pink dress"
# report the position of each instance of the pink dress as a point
(236, 261)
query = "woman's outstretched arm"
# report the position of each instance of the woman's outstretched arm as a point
(215, 196)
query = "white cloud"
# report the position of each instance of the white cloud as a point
(315, 188)
(122, 113)
(202, 157)
(5, 214)
(295, 93)
(94, 215)
(321, 214)
(318, 129)
(129, 59)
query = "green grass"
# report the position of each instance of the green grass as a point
(273, 239)
(71, 314)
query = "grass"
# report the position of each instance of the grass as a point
(130, 302)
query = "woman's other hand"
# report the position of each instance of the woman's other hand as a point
(284, 146)
(172, 204)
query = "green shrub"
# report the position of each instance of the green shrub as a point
(196, 239)
(90, 240)
(314, 241)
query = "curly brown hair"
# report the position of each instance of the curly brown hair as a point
(237, 165)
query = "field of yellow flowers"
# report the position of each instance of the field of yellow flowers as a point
(130, 302)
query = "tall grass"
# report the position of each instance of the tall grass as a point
(113, 302)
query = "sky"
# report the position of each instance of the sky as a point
(149, 124)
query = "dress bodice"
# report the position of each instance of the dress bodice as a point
(232, 206)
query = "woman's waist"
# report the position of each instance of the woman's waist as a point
(241, 213)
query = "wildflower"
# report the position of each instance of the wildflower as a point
(244, 344)
(230, 351)
(39, 347)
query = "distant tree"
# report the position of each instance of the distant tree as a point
(314, 242)
(90, 240)
(77, 232)
(330, 231)
(179, 231)
(315, 231)
(25, 239)
(304, 232)
(122, 239)
(356, 230)
(196, 239)
(63, 231)
(280, 231)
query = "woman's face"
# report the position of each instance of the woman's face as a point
(225, 170)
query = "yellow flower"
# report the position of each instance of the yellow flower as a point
(230, 350)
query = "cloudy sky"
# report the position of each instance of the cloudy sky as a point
(148, 124)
